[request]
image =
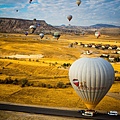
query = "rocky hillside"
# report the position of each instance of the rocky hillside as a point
(12, 25)
(103, 28)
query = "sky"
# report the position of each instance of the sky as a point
(55, 12)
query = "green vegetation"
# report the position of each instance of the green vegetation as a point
(26, 83)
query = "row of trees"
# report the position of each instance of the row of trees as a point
(25, 82)
(64, 65)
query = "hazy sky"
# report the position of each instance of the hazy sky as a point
(55, 12)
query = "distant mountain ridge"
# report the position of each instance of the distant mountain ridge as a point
(93, 26)
(16, 25)
(104, 25)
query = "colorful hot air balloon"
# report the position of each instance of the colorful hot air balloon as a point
(26, 33)
(56, 35)
(32, 28)
(78, 2)
(97, 34)
(41, 35)
(91, 78)
(69, 17)
(38, 24)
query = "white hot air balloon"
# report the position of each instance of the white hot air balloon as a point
(32, 28)
(91, 78)
(97, 34)
(56, 35)
(41, 35)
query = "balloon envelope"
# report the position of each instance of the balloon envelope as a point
(97, 34)
(26, 33)
(41, 35)
(91, 78)
(56, 35)
(32, 28)
(78, 2)
(69, 17)
(30, 1)
(38, 24)
(34, 19)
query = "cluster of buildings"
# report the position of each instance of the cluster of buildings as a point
(112, 55)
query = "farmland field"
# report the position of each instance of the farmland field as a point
(50, 69)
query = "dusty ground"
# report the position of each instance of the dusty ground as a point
(114, 95)
(8, 115)
(53, 51)
(25, 56)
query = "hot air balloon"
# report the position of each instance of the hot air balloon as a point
(91, 78)
(34, 19)
(69, 17)
(83, 33)
(26, 33)
(38, 24)
(97, 34)
(78, 2)
(56, 35)
(30, 1)
(32, 28)
(41, 35)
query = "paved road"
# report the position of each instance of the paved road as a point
(53, 111)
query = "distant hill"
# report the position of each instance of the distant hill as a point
(13, 25)
(104, 26)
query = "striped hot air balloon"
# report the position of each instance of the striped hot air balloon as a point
(91, 78)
